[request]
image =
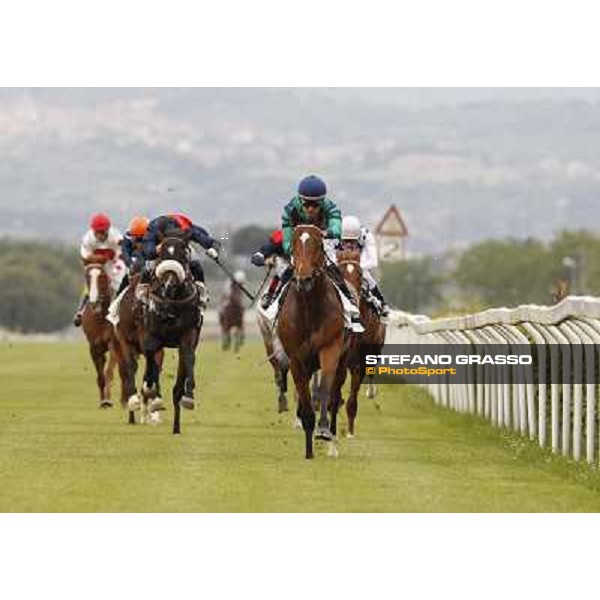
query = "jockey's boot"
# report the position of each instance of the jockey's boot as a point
(271, 293)
(123, 285)
(203, 296)
(384, 309)
(80, 308)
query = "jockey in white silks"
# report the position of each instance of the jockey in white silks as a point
(101, 242)
(354, 233)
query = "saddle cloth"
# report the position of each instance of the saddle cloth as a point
(272, 311)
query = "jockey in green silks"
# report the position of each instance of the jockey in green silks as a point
(312, 206)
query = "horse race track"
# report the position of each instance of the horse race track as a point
(59, 452)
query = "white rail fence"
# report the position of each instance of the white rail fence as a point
(562, 415)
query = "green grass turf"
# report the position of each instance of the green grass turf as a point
(59, 452)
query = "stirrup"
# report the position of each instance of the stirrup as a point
(77, 319)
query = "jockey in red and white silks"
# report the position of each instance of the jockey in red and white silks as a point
(105, 243)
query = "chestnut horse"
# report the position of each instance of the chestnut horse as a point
(311, 330)
(348, 261)
(98, 330)
(231, 319)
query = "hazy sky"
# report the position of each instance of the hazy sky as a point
(421, 97)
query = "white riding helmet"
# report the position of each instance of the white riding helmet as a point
(350, 228)
(239, 277)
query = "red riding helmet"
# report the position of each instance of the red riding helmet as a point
(277, 237)
(100, 222)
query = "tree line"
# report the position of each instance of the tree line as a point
(494, 273)
(40, 282)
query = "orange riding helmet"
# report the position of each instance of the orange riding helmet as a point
(138, 226)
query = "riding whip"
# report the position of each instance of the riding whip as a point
(232, 278)
(262, 283)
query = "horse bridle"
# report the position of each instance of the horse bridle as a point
(102, 295)
(316, 273)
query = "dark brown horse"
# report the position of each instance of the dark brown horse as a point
(231, 319)
(129, 335)
(348, 261)
(98, 330)
(172, 319)
(311, 330)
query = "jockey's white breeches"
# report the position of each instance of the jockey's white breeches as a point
(330, 251)
(368, 280)
(281, 266)
(116, 270)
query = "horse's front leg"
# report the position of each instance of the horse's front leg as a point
(281, 374)
(187, 356)
(329, 358)
(109, 373)
(336, 394)
(352, 405)
(178, 389)
(98, 354)
(151, 381)
(306, 412)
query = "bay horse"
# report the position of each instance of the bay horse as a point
(98, 330)
(312, 332)
(172, 319)
(129, 335)
(231, 319)
(348, 261)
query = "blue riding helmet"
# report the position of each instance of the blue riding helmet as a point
(312, 188)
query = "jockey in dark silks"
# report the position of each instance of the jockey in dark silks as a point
(161, 227)
(132, 246)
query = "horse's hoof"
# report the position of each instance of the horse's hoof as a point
(349, 435)
(154, 418)
(332, 450)
(323, 433)
(106, 403)
(187, 403)
(134, 403)
(156, 404)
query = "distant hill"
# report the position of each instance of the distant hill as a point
(460, 170)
